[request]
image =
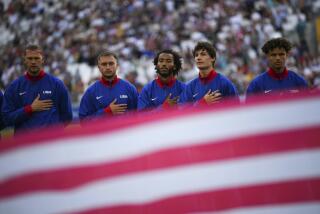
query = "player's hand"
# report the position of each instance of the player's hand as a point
(212, 97)
(41, 105)
(172, 101)
(117, 108)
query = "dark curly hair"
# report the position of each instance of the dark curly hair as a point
(176, 59)
(276, 43)
(205, 46)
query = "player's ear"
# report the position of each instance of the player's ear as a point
(24, 59)
(213, 61)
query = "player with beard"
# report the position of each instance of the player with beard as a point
(36, 99)
(209, 87)
(110, 95)
(165, 90)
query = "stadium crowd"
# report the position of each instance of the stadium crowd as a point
(72, 33)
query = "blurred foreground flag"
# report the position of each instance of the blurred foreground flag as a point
(263, 157)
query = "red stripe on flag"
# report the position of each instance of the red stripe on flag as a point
(65, 178)
(307, 190)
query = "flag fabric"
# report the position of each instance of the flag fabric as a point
(262, 157)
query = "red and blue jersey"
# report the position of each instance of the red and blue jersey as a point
(20, 94)
(154, 94)
(272, 82)
(197, 88)
(97, 98)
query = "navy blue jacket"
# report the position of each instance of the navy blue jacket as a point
(97, 98)
(155, 93)
(198, 87)
(20, 94)
(270, 82)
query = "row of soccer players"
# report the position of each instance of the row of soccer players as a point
(38, 99)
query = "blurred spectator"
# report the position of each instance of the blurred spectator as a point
(132, 78)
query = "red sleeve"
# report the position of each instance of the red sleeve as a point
(28, 109)
(165, 105)
(108, 111)
(203, 102)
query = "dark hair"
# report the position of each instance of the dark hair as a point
(176, 60)
(32, 47)
(107, 53)
(205, 46)
(276, 43)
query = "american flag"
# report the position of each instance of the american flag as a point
(262, 157)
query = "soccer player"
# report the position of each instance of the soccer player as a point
(165, 90)
(277, 79)
(209, 87)
(110, 95)
(36, 99)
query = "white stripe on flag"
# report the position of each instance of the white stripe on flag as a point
(296, 208)
(171, 182)
(139, 140)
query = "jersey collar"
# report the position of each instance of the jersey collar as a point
(208, 78)
(278, 76)
(109, 84)
(162, 84)
(35, 78)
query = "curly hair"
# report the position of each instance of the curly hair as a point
(276, 43)
(205, 46)
(176, 59)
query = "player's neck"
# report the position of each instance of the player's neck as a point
(165, 80)
(33, 73)
(111, 79)
(279, 70)
(205, 72)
